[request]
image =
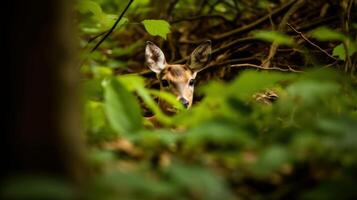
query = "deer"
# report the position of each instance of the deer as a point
(177, 79)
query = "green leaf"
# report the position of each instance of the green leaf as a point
(96, 123)
(327, 34)
(157, 27)
(137, 84)
(92, 89)
(339, 50)
(122, 108)
(168, 97)
(156, 138)
(90, 6)
(104, 21)
(273, 36)
(101, 71)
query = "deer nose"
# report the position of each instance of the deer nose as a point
(184, 102)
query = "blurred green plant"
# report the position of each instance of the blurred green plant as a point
(228, 146)
(230, 133)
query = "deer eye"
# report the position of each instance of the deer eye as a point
(192, 82)
(165, 83)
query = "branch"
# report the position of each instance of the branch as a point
(171, 8)
(313, 44)
(274, 46)
(271, 68)
(224, 47)
(113, 27)
(254, 24)
(194, 18)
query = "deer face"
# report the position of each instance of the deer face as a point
(178, 79)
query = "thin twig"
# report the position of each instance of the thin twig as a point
(224, 47)
(346, 29)
(95, 37)
(271, 68)
(113, 27)
(274, 46)
(316, 22)
(313, 44)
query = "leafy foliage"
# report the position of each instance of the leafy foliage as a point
(228, 146)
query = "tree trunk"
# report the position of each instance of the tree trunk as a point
(43, 137)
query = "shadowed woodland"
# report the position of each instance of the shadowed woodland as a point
(274, 113)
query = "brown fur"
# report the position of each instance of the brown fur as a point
(178, 76)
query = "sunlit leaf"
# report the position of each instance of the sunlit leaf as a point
(273, 36)
(327, 34)
(90, 6)
(339, 50)
(157, 27)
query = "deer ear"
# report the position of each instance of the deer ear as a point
(200, 56)
(154, 57)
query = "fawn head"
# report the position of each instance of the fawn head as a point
(178, 79)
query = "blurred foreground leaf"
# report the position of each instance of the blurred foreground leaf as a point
(273, 36)
(122, 108)
(327, 34)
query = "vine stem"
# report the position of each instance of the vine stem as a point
(113, 27)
